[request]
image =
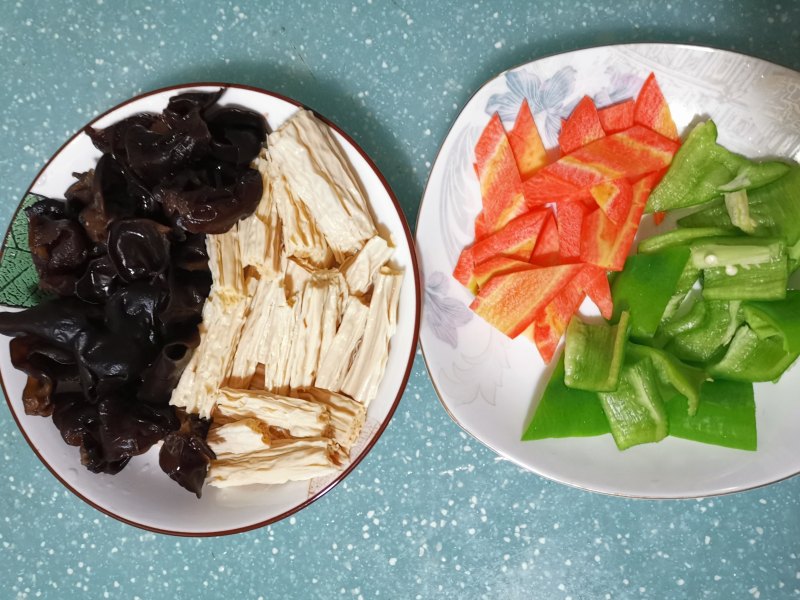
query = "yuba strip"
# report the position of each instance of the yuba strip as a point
(653, 111)
(501, 186)
(582, 127)
(526, 143)
(510, 302)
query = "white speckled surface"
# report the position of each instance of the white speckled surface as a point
(429, 513)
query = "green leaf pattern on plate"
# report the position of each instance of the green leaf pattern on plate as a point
(19, 283)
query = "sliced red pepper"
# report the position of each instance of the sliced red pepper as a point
(464, 267)
(544, 187)
(599, 292)
(630, 154)
(511, 301)
(582, 127)
(570, 216)
(617, 117)
(653, 111)
(659, 216)
(614, 198)
(516, 240)
(497, 265)
(551, 323)
(481, 230)
(546, 251)
(607, 245)
(501, 186)
(526, 143)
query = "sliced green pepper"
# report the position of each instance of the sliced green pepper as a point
(635, 410)
(566, 412)
(593, 354)
(726, 415)
(781, 317)
(750, 358)
(645, 287)
(764, 281)
(681, 237)
(713, 214)
(702, 169)
(735, 250)
(685, 379)
(701, 334)
(685, 284)
(774, 209)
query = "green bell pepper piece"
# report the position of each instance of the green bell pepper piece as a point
(680, 237)
(700, 334)
(635, 410)
(726, 416)
(566, 412)
(714, 214)
(774, 209)
(645, 286)
(781, 317)
(764, 281)
(593, 354)
(702, 169)
(685, 379)
(686, 282)
(750, 358)
(735, 250)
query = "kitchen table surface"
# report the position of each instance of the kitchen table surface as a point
(430, 512)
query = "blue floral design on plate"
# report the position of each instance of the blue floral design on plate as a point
(548, 97)
(444, 314)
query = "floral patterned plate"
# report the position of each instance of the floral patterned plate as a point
(490, 384)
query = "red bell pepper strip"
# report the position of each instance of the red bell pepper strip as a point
(570, 216)
(628, 154)
(464, 267)
(582, 127)
(526, 143)
(607, 245)
(501, 186)
(497, 265)
(617, 117)
(546, 251)
(544, 187)
(599, 292)
(551, 323)
(510, 302)
(614, 198)
(516, 240)
(653, 111)
(658, 217)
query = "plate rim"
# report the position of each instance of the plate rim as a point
(415, 268)
(499, 453)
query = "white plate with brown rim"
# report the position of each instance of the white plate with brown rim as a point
(141, 494)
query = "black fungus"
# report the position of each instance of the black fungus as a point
(185, 455)
(125, 254)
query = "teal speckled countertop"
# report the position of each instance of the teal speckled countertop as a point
(429, 513)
